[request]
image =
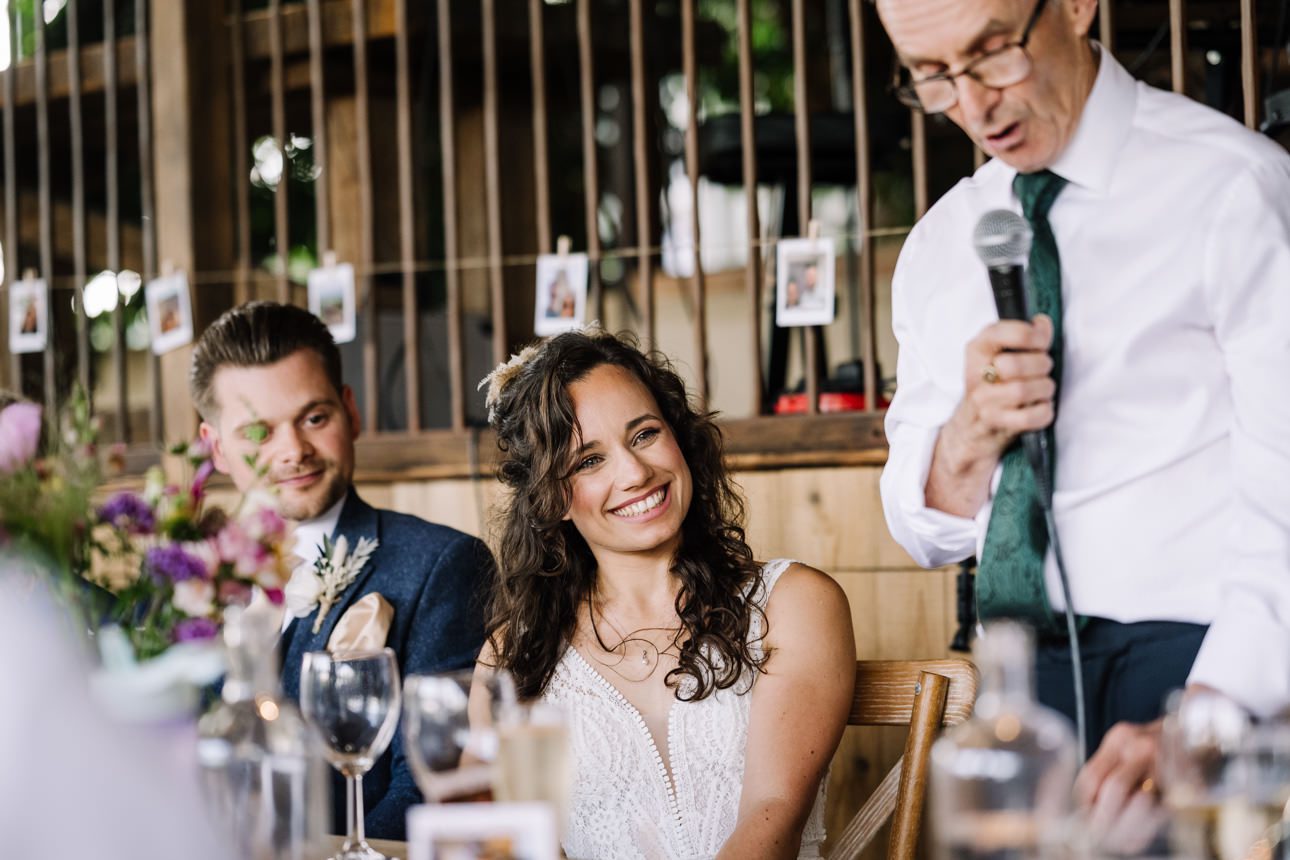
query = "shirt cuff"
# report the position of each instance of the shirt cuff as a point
(933, 538)
(1246, 655)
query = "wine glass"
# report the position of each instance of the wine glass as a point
(449, 729)
(352, 699)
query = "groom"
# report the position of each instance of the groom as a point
(266, 379)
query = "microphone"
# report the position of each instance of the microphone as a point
(1002, 240)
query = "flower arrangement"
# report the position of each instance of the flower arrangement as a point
(162, 564)
(174, 563)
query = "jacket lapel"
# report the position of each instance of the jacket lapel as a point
(357, 520)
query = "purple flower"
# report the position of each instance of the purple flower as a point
(173, 563)
(128, 511)
(203, 474)
(19, 435)
(192, 629)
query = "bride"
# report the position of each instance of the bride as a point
(705, 692)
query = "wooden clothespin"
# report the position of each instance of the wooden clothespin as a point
(813, 229)
(563, 245)
(329, 259)
(29, 274)
(167, 268)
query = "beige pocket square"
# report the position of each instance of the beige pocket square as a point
(363, 627)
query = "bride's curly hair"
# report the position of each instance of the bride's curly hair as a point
(545, 568)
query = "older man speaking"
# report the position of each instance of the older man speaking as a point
(1157, 369)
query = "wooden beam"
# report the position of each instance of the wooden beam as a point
(768, 442)
(337, 25)
(194, 224)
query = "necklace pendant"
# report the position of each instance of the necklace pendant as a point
(644, 657)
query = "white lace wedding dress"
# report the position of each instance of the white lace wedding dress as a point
(623, 804)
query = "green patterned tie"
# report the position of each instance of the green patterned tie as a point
(1010, 579)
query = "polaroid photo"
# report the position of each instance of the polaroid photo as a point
(561, 301)
(170, 312)
(28, 315)
(804, 290)
(482, 831)
(332, 300)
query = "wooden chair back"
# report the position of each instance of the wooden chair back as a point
(925, 695)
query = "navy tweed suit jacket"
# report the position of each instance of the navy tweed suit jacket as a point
(435, 578)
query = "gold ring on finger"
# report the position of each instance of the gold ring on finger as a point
(990, 374)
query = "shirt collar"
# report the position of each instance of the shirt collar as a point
(1091, 156)
(309, 534)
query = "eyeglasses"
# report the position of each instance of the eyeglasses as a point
(996, 69)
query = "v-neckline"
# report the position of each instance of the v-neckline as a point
(664, 759)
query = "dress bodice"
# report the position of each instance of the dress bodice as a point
(623, 803)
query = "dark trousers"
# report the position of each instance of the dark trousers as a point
(1129, 669)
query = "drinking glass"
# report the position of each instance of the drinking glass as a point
(1203, 781)
(352, 699)
(1262, 774)
(534, 759)
(449, 729)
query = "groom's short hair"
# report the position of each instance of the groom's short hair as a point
(257, 334)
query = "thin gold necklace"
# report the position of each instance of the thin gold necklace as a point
(625, 666)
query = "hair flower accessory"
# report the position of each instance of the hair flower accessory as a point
(502, 375)
(332, 573)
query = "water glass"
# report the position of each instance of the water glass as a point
(352, 699)
(449, 730)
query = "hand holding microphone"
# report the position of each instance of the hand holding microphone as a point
(1002, 240)
(1008, 388)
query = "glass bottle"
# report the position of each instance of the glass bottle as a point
(1001, 781)
(262, 768)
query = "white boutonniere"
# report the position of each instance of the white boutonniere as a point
(332, 573)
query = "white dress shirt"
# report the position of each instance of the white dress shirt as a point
(308, 535)
(1172, 492)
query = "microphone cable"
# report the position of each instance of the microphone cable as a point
(1037, 455)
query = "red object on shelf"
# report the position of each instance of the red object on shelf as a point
(830, 401)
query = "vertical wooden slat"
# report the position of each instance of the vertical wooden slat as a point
(640, 154)
(277, 88)
(407, 234)
(241, 166)
(1106, 24)
(690, 68)
(918, 153)
(492, 183)
(77, 132)
(864, 207)
(802, 123)
(541, 166)
(112, 181)
(1178, 44)
(46, 209)
(366, 243)
(1249, 64)
(591, 177)
(143, 92)
(748, 147)
(318, 119)
(448, 147)
(11, 186)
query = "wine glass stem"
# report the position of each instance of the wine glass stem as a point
(354, 812)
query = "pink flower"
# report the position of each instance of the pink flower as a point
(19, 435)
(266, 526)
(238, 548)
